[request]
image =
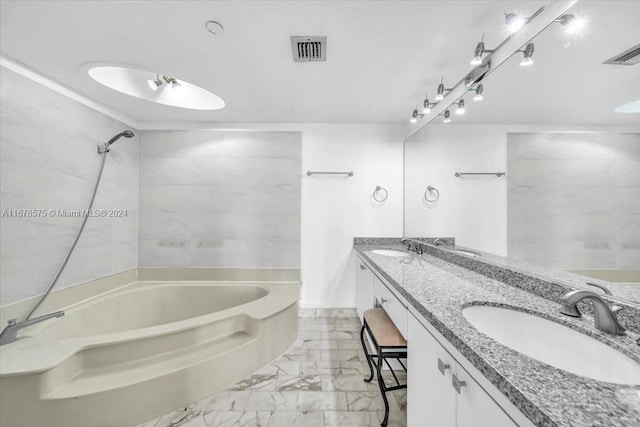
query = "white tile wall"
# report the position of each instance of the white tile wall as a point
(48, 160)
(220, 199)
(574, 199)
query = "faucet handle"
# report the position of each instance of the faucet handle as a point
(570, 310)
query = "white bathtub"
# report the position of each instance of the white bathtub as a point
(129, 355)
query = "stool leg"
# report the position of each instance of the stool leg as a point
(383, 391)
(366, 353)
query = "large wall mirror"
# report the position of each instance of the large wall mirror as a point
(570, 198)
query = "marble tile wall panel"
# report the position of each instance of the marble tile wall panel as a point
(48, 160)
(574, 199)
(220, 199)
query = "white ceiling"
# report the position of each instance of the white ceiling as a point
(381, 57)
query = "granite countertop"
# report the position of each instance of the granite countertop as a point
(622, 292)
(548, 396)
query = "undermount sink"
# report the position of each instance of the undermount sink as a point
(467, 252)
(554, 344)
(389, 252)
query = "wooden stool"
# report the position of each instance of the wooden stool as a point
(389, 344)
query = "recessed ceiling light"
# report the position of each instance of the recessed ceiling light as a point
(214, 27)
(629, 107)
(149, 86)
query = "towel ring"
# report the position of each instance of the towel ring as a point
(431, 190)
(375, 194)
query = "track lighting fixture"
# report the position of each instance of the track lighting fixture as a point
(440, 94)
(170, 80)
(441, 90)
(426, 106)
(460, 110)
(479, 51)
(447, 117)
(414, 116)
(478, 90)
(528, 53)
(155, 84)
(571, 23)
(514, 22)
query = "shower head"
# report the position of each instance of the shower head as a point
(126, 134)
(104, 147)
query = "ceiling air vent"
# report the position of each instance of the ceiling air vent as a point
(307, 48)
(628, 57)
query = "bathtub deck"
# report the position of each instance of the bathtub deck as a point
(317, 382)
(103, 379)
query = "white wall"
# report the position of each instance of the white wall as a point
(471, 209)
(336, 209)
(219, 199)
(48, 160)
(574, 199)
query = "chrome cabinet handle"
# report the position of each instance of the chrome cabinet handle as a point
(443, 366)
(382, 300)
(362, 267)
(456, 383)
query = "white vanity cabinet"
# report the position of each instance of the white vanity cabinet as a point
(442, 393)
(369, 289)
(395, 306)
(364, 288)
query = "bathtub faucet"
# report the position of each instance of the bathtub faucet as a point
(10, 332)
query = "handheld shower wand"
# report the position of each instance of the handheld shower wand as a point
(104, 147)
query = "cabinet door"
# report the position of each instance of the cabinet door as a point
(392, 305)
(430, 396)
(364, 288)
(474, 407)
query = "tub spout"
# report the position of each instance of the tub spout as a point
(10, 332)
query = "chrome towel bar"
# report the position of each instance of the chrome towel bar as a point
(309, 173)
(498, 174)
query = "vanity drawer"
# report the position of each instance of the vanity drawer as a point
(395, 308)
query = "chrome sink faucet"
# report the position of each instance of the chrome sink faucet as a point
(604, 316)
(439, 242)
(10, 332)
(406, 241)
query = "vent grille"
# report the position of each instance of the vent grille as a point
(628, 57)
(306, 49)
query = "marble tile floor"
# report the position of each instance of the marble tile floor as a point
(318, 381)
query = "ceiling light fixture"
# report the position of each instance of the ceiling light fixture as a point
(478, 90)
(571, 24)
(479, 51)
(214, 27)
(460, 110)
(514, 22)
(426, 106)
(441, 90)
(173, 82)
(141, 83)
(447, 117)
(155, 84)
(414, 116)
(528, 53)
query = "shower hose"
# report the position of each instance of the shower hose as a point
(75, 241)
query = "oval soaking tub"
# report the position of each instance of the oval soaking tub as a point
(129, 355)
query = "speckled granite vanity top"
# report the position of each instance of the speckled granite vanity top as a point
(438, 290)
